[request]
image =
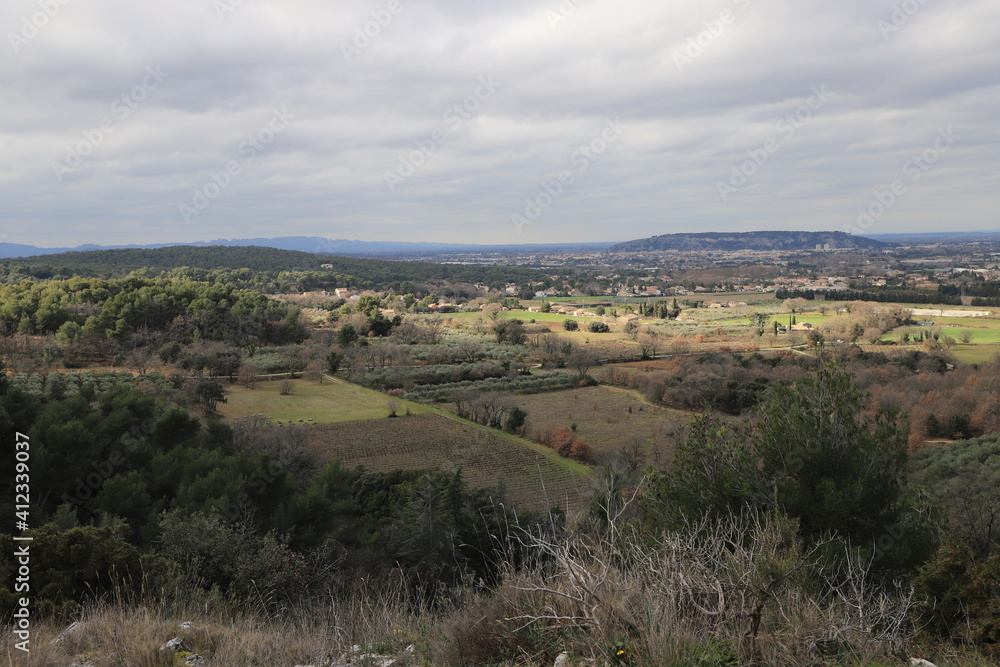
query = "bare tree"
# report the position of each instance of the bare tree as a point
(286, 388)
(248, 374)
(796, 305)
(648, 344)
(470, 349)
(489, 408)
(581, 361)
(139, 359)
(315, 370)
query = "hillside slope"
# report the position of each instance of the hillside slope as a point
(775, 240)
(367, 272)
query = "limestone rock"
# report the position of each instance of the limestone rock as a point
(176, 644)
(66, 634)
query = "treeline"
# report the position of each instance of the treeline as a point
(130, 490)
(659, 309)
(931, 397)
(408, 377)
(984, 292)
(524, 384)
(884, 295)
(79, 309)
(267, 269)
(729, 383)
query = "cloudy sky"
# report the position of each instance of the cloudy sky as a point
(501, 122)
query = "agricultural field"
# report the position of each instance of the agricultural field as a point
(535, 477)
(975, 354)
(814, 318)
(607, 419)
(977, 338)
(524, 315)
(329, 402)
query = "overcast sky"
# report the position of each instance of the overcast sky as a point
(500, 122)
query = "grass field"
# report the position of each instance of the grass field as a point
(535, 477)
(975, 354)
(607, 418)
(524, 315)
(814, 318)
(323, 403)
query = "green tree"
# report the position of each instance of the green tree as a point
(759, 321)
(570, 325)
(811, 451)
(368, 304)
(69, 333)
(346, 335)
(509, 331)
(209, 394)
(333, 361)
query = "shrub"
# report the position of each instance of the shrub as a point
(566, 443)
(808, 436)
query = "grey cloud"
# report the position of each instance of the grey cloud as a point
(355, 117)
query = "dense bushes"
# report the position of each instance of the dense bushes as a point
(729, 383)
(395, 377)
(809, 452)
(120, 477)
(525, 384)
(116, 310)
(566, 443)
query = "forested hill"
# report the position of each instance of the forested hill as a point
(344, 271)
(751, 241)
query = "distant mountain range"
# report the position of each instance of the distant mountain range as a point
(323, 246)
(723, 241)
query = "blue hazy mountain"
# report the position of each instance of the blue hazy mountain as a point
(322, 246)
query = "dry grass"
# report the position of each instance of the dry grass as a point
(535, 477)
(689, 599)
(133, 635)
(608, 419)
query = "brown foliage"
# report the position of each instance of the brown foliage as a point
(566, 443)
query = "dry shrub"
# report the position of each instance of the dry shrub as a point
(474, 634)
(566, 443)
(748, 583)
